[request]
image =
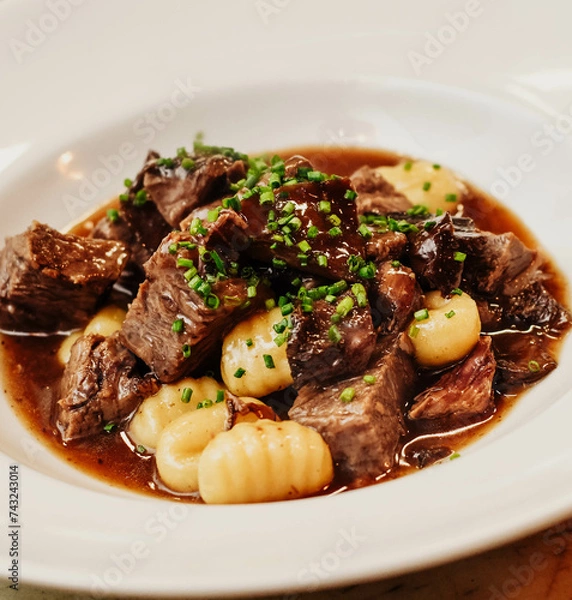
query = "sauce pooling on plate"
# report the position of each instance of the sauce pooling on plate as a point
(370, 312)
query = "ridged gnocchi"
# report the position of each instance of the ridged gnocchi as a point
(252, 363)
(449, 332)
(263, 462)
(156, 412)
(425, 183)
(181, 442)
(107, 321)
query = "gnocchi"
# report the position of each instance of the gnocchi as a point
(107, 321)
(262, 462)
(182, 441)
(252, 363)
(425, 183)
(448, 330)
(156, 412)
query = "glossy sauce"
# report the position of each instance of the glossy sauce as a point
(31, 372)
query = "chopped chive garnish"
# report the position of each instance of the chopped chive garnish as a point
(350, 195)
(113, 215)
(450, 314)
(454, 456)
(457, 292)
(325, 206)
(178, 325)
(188, 164)
(251, 291)
(459, 256)
(207, 403)
(123, 197)
(186, 351)
(426, 186)
(334, 334)
(140, 198)
(439, 212)
(436, 167)
(395, 264)
(335, 231)
(322, 260)
(109, 427)
(270, 303)
(364, 231)
(219, 396)
(335, 220)
(280, 326)
(345, 306)
(312, 232)
(421, 315)
(185, 262)
(533, 366)
(212, 215)
(368, 271)
(407, 166)
(141, 449)
(249, 342)
(239, 372)
(413, 331)
(450, 197)
(369, 379)
(212, 301)
(127, 183)
(266, 198)
(268, 361)
(304, 246)
(186, 395)
(279, 263)
(287, 309)
(280, 339)
(348, 395)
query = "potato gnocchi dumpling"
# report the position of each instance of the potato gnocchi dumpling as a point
(106, 322)
(169, 403)
(182, 441)
(446, 330)
(263, 462)
(426, 183)
(252, 363)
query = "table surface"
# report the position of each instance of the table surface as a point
(536, 567)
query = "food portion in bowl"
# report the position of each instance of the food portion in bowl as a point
(239, 329)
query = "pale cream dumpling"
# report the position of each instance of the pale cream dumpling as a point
(169, 403)
(253, 363)
(426, 183)
(446, 330)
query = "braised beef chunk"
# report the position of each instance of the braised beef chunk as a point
(375, 194)
(396, 295)
(433, 254)
(102, 384)
(497, 264)
(176, 190)
(522, 359)
(384, 246)
(53, 282)
(183, 310)
(461, 394)
(364, 433)
(535, 305)
(311, 226)
(318, 350)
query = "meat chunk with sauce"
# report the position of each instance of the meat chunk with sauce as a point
(318, 350)
(396, 295)
(183, 310)
(52, 282)
(461, 394)
(102, 384)
(363, 434)
(376, 194)
(310, 226)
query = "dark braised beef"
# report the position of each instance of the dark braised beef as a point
(463, 393)
(102, 384)
(53, 282)
(364, 433)
(179, 317)
(375, 194)
(319, 350)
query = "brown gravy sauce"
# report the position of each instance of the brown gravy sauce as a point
(31, 371)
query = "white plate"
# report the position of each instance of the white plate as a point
(74, 107)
